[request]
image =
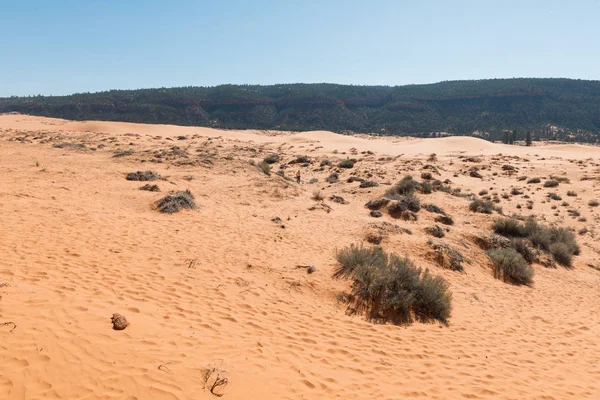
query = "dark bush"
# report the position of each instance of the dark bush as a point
(377, 204)
(406, 187)
(426, 175)
(562, 254)
(435, 231)
(123, 153)
(354, 179)
(150, 188)
(403, 204)
(534, 180)
(511, 266)
(333, 178)
(554, 196)
(434, 209)
(551, 183)
(325, 163)
(593, 203)
(484, 207)
(368, 184)
(301, 160)
(571, 193)
(142, 176)
(393, 289)
(509, 227)
(426, 188)
(444, 219)
(264, 167)
(522, 247)
(272, 159)
(347, 163)
(175, 202)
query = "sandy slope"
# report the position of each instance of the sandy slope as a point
(218, 286)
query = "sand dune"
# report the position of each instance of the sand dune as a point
(218, 286)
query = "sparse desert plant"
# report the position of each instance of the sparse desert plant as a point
(508, 227)
(123, 153)
(444, 219)
(393, 289)
(554, 196)
(214, 380)
(347, 163)
(523, 247)
(572, 193)
(272, 158)
(313, 180)
(560, 179)
(368, 184)
(175, 202)
(317, 195)
(447, 256)
(264, 167)
(301, 160)
(483, 192)
(484, 207)
(432, 208)
(325, 162)
(562, 254)
(510, 266)
(333, 178)
(377, 204)
(551, 183)
(593, 203)
(426, 188)
(406, 187)
(353, 257)
(402, 204)
(435, 231)
(516, 191)
(426, 176)
(534, 180)
(142, 176)
(150, 188)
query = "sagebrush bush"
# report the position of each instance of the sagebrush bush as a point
(406, 187)
(368, 184)
(508, 227)
(534, 180)
(551, 183)
(175, 202)
(377, 204)
(522, 247)
(272, 158)
(562, 254)
(317, 195)
(325, 163)
(426, 175)
(142, 176)
(150, 188)
(435, 231)
(593, 203)
(510, 266)
(484, 207)
(333, 178)
(347, 163)
(391, 288)
(397, 208)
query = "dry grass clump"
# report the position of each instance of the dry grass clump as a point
(333, 178)
(559, 242)
(572, 193)
(142, 176)
(317, 195)
(444, 219)
(377, 204)
(593, 203)
(551, 183)
(534, 180)
(510, 266)
(150, 188)
(484, 207)
(175, 202)
(389, 288)
(435, 231)
(272, 158)
(432, 208)
(368, 184)
(347, 163)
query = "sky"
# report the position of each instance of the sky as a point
(71, 46)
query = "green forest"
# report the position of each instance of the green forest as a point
(562, 109)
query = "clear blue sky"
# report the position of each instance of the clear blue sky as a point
(66, 46)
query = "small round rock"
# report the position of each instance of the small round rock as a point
(119, 322)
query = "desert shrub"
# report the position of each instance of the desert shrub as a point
(571, 193)
(142, 176)
(434, 209)
(444, 219)
(150, 188)
(313, 180)
(522, 178)
(551, 183)
(175, 202)
(123, 153)
(562, 254)
(406, 187)
(508, 227)
(426, 188)
(593, 203)
(426, 176)
(403, 204)
(393, 289)
(337, 199)
(483, 192)
(435, 231)
(264, 167)
(301, 160)
(377, 204)
(484, 207)
(510, 266)
(333, 178)
(522, 247)
(516, 191)
(325, 163)
(317, 195)
(560, 179)
(272, 158)
(354, 179)
(447, 256)
(534, 180)
(368, 184)
(554, 196)
(357, 256)
(347, 163)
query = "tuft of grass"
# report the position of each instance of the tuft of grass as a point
(150, 188)
(175, 202)
(142, 176)
(510, 266)
(572, 193)
(562, 254)
(317, 195)
(391, 288)
(347, 163)
(325, 163)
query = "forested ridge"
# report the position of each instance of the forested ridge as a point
(562, 109)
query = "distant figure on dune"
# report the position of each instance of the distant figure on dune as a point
(298, 176)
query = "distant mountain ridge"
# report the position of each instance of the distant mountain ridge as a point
(563, 109)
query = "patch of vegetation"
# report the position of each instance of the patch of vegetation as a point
(403, 204)
(272, 158)
(534, 180)
(123, 153)
(377, 204)
(368, 184)
(435, 231)
(264, 167)
(175, 202)
(150, 188)
(447, 256)
(554, 196)
(406, 187)
(593, 203)
(142, 176)
(484, 207)
(426, 175)
(444, 219)
(551, 183)
(317, 195)
(571, 193)
(510, 266)
(432, 208)
(347, 163)
(333, 178)
(389, 288)
(325, 163)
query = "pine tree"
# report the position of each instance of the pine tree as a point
(528, 139)
(505, 139)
